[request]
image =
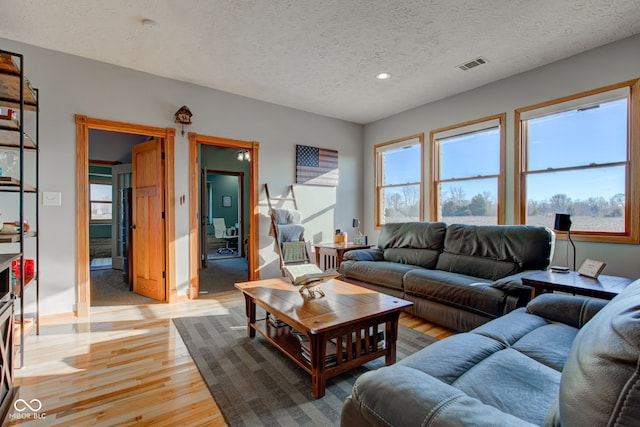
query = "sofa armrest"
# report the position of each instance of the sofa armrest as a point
(568, 309)
(373, 254)
(513, 284)
(403, 396)
(517, 293)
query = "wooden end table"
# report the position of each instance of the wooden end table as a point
(332, 253)
(345, 321)
(605, 287)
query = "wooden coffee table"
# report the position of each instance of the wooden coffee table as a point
(345, 323)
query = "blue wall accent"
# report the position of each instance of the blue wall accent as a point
(224, 185)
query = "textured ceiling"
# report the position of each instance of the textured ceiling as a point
(322, 55)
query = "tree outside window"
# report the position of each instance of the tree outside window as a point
(468, 172)
(398, 170)
(576, 157)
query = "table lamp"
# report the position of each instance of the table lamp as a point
(563, 223)
(356, 225)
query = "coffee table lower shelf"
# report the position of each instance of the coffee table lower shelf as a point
(360, 335)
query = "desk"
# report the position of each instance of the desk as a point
(332, 253)
(605, 287)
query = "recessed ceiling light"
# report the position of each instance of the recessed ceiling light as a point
(383, 76)
(150, 23)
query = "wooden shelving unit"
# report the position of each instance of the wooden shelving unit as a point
(19, 126)
(12, 93)
(15, 238)
(9, 183)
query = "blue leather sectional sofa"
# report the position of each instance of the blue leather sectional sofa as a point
(459, 276)
(563, 360)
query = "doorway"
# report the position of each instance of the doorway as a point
(224, 219)
(165, 189)
(222, 209)
(248, 228)
(109, 234)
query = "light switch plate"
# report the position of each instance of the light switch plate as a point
(51, 198)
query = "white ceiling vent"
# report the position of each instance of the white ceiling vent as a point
(473, 63)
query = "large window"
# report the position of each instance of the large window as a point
(398, 177)
(576, 157)
(100, 198)
(467, 184)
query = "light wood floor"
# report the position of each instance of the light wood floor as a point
(127, 366)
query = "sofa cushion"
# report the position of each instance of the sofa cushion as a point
(416, 235)
(601, 378)
(405, 397)
(400, 241)
(383, 273)
(502, 363)
(424, 258)
(372, 254)
(456, 290)
(539, 338)
(485, 268)
(493, 252)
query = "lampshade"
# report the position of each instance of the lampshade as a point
(563, 222)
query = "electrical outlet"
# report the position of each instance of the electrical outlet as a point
(51, 198)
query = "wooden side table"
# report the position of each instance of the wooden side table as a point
(331, 253)
(605, 287)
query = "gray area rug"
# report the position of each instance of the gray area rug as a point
(254, 384)
(222, 274)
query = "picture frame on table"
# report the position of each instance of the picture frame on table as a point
(591, 268)
(360, 239)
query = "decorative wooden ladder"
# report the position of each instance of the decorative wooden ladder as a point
(274, 227)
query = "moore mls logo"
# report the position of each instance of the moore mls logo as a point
(28, 410)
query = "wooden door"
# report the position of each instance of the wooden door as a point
(148, 220)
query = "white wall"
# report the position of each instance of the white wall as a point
(71, 85)
(606, 65)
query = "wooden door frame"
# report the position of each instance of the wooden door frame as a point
(83, 124)
(194, 198)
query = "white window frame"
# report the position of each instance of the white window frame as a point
(91, 202)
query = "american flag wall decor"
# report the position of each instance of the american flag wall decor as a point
(316, 166)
